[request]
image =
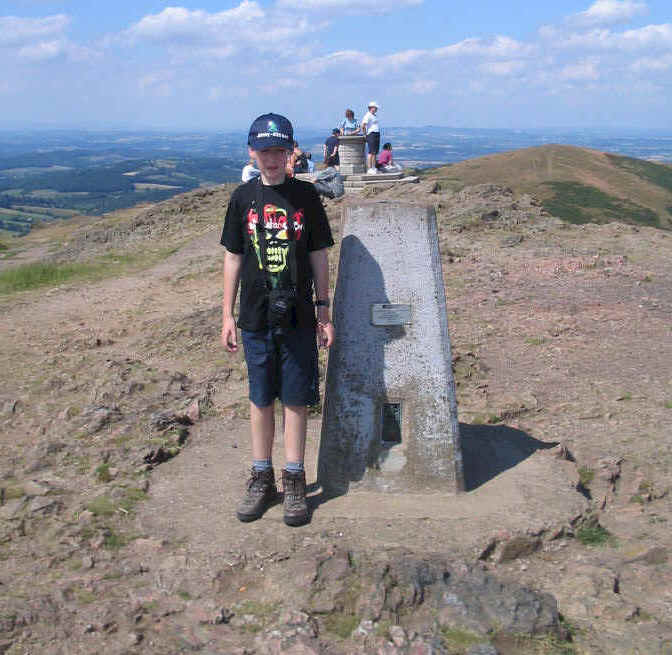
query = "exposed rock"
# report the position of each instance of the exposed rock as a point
(96, 418)
(491, 215)
(518, 546)
(34, 488)
(166, 419)
(458, 595)
(512, 240)
(193, 412)
(482, 649)
(652, 556)
(39, 457)
(398, 636)
(45, 505)
(13, 508)
(12, 407)
(603, 487)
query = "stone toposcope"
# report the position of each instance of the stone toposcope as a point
(351, 154)
(390, 410)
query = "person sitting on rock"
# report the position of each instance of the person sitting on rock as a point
(385, 163)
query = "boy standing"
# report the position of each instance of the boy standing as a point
(276, 236)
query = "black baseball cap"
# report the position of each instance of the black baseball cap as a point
(271, 131)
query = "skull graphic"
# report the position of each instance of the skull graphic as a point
(275, 225)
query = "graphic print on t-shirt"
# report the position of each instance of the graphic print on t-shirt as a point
(277, 236)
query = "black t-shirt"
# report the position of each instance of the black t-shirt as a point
(331, 143)
(295, 200)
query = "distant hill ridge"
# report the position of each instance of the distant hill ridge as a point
(578, 185)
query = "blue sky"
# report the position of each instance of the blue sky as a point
(205, 64)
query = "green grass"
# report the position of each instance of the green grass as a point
(43, 274)
(579, 203)
(84, 596)
(459, 640)
(668, 404)
(131, 498)
(657, 174)
(103, 473)
(533, 645)
(341, 625)
(115, 541)
(586, 476)
(535, 341)
(102, 506)
(593, 534)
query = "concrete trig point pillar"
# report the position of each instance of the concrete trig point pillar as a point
(390, 409)
(351, 154)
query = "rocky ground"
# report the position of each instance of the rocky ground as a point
(124, 449)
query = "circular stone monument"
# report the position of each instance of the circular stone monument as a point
(351, 154)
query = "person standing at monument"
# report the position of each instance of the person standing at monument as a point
(371, 129)
(349, 125)
(276, 236)
(331, 149)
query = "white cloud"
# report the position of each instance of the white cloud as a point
(398, 62)
(348, 6)
(650, 64)
(43, 51)
(643, 38)
(198, 34)
(499, 46)
(180, 24)
(503, 68)
(40, 39)
(581, 71)
(280, 83)
(422, 87)
(651, 36)
(608, 12)
(18, 31)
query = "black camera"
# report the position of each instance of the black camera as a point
(281, 304)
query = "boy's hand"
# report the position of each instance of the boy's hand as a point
(229, 340)
(325, 334)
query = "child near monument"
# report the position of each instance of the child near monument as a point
(276, 236)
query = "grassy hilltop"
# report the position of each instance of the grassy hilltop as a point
(577, 185)
(125, 437)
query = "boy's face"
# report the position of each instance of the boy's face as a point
(271, 162)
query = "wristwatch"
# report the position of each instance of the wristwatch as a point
(322, 303)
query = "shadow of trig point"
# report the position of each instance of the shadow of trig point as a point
(390, 410)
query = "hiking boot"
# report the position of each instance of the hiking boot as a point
(295, 505)
(261, 493)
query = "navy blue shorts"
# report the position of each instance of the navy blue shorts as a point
(373, 141)
(282, 368)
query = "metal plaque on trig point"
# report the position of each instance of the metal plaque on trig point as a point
(386, 314)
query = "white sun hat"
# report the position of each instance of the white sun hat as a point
(373, 103)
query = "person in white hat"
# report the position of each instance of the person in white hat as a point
(371, 129)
